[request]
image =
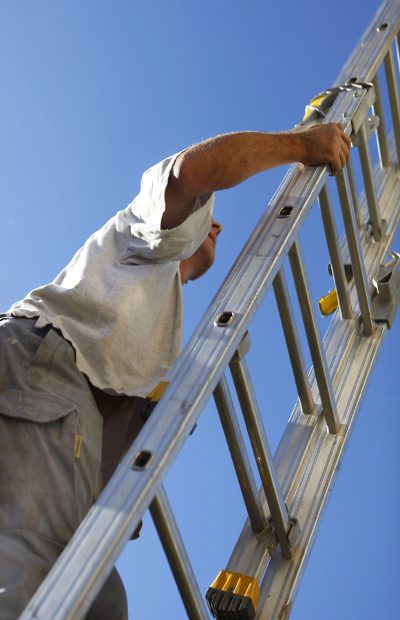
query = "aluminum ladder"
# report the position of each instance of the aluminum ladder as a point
(283, 514)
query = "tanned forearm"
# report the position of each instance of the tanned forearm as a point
(227, 160)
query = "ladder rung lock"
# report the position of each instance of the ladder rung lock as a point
(232, 595)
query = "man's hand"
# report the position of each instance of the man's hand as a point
(325, 144)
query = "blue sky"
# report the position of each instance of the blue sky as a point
(94, 92)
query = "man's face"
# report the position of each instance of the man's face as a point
(201, 261)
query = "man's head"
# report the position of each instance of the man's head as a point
(201, 261)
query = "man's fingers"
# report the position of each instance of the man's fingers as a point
(342, 151)
(345, 145)
(334, 165)
(347, 139)
(345, 152)
(344, 135)
(327, 144)
(338, 162)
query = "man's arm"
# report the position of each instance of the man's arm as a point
(229, 159)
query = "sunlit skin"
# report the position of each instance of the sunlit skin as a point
(201, 261)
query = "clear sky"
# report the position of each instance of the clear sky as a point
(93, 93)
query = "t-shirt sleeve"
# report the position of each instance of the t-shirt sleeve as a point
(147, 242)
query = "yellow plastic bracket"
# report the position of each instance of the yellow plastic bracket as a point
(314, 103)
(329, 303)
(158, 391)
(231, 594)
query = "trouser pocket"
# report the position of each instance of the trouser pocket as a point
(50, 433)
(37, 454)
(50, 449)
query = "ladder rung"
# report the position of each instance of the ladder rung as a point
(262, 452)
(314, 340)
(178, 559)
(293, 343)
(357, 260)
(372, 202)
(234, 439)
(335, 255)
(353, 192)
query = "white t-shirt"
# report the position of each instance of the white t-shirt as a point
(119, 300)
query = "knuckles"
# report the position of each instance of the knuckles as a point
(328, 144)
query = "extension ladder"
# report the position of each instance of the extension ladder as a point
(263, 571)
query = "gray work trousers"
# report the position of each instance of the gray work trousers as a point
(50, 454)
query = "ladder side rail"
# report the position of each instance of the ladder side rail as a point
(373, 206)
(353, 191)
(372, 47)
(293, 343)
(240, 459)
(314, 340)
(356, 254)
(77, 576)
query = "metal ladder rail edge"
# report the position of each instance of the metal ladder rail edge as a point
(371, 44)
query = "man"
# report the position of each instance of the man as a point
(77, 354)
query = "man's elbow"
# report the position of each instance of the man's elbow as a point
(186, 177)
(180, 194)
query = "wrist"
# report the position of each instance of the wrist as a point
(298, 147)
